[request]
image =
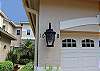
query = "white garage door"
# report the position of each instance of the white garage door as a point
(80, 59)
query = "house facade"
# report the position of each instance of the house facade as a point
(23, 32)
(77, 39)
(27, 32)
(12, 34)
(6, 35)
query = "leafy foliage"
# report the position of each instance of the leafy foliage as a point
(6, 66)
(24, 61)
(23, 54)
(12, 57)
(28, 67)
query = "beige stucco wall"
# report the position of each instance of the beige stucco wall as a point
(11, 29)
(16, 43)
(55, 11)
(8, 26)
(4, 41)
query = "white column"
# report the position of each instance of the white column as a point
(36, 40)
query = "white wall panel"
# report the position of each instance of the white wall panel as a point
(80, 59)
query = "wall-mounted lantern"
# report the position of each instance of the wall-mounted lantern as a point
(50, 36)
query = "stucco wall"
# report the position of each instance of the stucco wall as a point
(8, 27)
(17, 42)
(55, 11)
(11, 29)
(4, 41)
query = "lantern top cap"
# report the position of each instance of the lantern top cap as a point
(49, 25)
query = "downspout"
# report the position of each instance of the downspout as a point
(37, 33)
(37, 39)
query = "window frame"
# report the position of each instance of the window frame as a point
(3, 27)
(18, 32)
(87, 43)
(69, 43)
(28, 32)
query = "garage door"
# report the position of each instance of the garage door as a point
(80, 59)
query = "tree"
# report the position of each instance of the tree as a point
(23, 54)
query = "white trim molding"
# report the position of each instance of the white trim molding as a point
(78, 22)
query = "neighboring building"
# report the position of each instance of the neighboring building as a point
(77, 40)
(6, 36)
(17, 30)
(23, 32)
(27, 32)
(12, 34)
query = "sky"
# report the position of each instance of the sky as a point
(14, 10)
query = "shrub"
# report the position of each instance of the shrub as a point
(27, 67)
(23, 54)
(23, 61)
(6, 66)
(12, 57)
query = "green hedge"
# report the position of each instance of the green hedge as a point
(27, 67)
(23, 61)
(6, 66)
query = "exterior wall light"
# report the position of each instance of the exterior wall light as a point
(50, 36)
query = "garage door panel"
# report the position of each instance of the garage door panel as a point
(80, 59)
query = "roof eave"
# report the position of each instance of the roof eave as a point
(7, 34)
(32, 9)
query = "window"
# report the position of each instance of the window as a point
(18, 32)
(68, 43)
(64, 43)
(3, 27)
(21, 24)
(28, 32)
(5, 46)
(99, 43)
(87, 43)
